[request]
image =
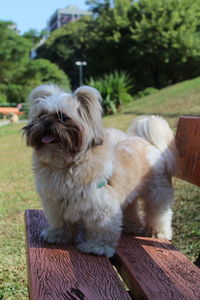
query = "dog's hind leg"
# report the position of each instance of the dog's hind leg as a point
(158, 223)
(158, 213)
(133, 222)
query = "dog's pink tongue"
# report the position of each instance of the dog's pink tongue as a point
(48, 139)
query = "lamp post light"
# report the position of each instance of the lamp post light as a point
(81, 64)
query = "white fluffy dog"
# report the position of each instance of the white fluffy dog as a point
(92, 178)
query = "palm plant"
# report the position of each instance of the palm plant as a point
(114, 88)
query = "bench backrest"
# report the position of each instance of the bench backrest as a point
(10, 110)
(188, 144)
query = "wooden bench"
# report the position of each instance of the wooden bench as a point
(150, 268)
(10, 110)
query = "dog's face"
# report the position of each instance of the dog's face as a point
(65, 122)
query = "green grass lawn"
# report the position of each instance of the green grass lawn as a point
(16, 194)
(17, 191)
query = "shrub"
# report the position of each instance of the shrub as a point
(114, 88)
(146, 92)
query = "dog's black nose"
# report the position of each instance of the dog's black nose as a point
(48, 122)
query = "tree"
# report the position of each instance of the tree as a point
(14, 53)
(156, 41)
(42, 71)
(107, 47)
(164, 41)
(95, 40)
(67, 45)
(34, 36)
(19, 74)
(99, 6)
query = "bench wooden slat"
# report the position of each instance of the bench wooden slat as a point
(188, 144)
(10, 110)
(61, 272)
(153, 269)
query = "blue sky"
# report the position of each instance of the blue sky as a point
(33, 14)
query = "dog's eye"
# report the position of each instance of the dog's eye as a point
(63, 117)
(42, 115)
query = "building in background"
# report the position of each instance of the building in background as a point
(63, 16)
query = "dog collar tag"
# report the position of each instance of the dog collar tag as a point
(102, 183)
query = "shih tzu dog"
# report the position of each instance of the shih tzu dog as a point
(92, 178)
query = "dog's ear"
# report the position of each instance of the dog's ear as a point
(43, 91)
(89, 98)
(91, 110)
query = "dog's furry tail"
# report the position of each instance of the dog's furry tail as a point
(157, 132)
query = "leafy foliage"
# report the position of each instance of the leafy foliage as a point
(67, 45)
(114, 89)
(99, 6)
(165, 40)
(95, 40)
(42, 71)
(34, 36)
(19, 74)
(3, 98)
(14, 53)
(156, 41)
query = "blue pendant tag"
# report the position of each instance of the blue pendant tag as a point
(102, 183)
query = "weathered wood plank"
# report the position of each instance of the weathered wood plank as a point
(188, 144)
(154, 269)
(61, 272)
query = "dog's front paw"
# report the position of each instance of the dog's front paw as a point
(165, 234)
(55, 236)
(96, 248)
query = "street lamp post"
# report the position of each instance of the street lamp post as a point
(81, 64)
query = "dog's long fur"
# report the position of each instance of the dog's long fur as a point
(73, 156)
